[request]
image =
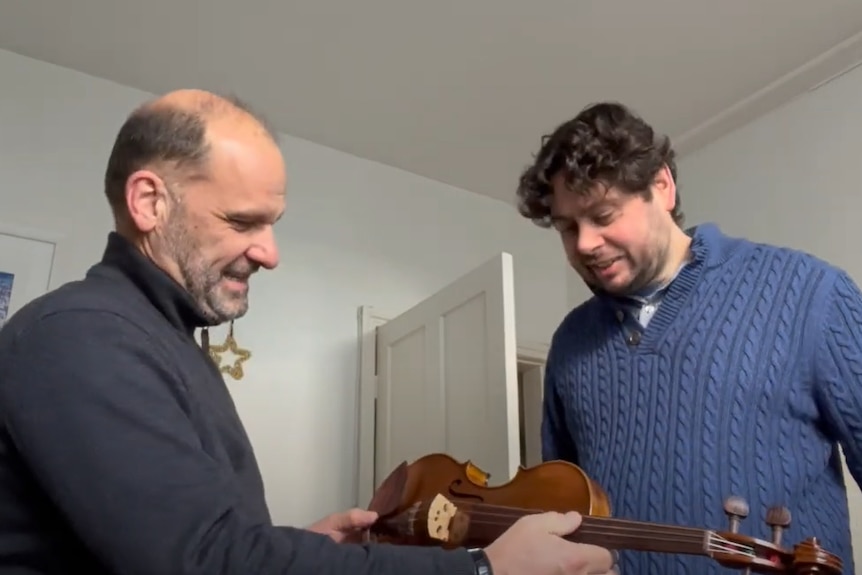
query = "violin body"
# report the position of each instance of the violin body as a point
(552, 486)
(437, 500)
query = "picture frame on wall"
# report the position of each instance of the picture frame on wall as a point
(26, 263)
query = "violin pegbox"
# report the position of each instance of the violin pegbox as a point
(753, 555)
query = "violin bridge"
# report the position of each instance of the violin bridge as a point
(445, 522)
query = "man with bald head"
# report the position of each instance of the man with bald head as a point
(199, 199)
(121, 451)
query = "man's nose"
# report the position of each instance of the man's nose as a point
(265, 249)
(589, 240)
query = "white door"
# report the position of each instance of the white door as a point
(447, 376)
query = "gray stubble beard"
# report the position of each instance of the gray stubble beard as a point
(199, 279)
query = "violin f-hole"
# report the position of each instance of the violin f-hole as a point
(463, 494)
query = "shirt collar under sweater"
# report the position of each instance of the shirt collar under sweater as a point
(166, 295)
(709, 247)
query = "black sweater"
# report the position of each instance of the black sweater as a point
(121, 450)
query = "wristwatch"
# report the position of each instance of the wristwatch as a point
(483, 566)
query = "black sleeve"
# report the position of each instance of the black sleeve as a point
(99, 418)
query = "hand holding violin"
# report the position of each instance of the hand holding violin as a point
(534, 545)
(346, 527)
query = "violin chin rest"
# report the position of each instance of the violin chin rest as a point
(388, 496)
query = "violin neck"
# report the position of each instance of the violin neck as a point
(638, 536)
(605, 532)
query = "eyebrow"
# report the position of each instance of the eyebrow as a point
(252, 216)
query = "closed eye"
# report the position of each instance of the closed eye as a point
(604, 218)
(246, 221)
(242, 226)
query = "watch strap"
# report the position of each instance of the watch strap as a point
(480, 559)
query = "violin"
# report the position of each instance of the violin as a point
(439, 501)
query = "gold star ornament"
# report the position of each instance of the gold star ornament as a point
(230, 348)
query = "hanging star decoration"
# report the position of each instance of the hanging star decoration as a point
(240, 355)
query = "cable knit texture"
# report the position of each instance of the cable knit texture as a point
(744, 383)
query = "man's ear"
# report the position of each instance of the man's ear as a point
(146, 197)
(664, 188)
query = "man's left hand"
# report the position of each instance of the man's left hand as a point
(345, 527)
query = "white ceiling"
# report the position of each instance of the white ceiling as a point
(460, 92)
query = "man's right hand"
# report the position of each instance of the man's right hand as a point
(534, 546)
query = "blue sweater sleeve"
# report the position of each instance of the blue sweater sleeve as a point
(102, 423)
(839, 369)
(557, 441)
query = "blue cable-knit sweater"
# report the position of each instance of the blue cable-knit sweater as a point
(744, 382)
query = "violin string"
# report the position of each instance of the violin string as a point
(696, 540)
(619, 528)
(604, 524)
(628, 534)
(468, 505)
(601, 523)
(719, 543)
(480, 518)
(609, 527)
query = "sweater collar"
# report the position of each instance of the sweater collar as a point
(166, 295)
(709, 246)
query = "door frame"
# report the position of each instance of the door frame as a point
(532, 354)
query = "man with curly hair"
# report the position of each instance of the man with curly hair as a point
(703, 366)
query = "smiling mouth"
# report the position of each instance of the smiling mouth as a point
(601, 266)
(243, 281)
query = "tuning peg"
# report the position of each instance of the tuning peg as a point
(778, 518)
(736, 509)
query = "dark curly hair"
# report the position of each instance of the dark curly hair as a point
(606, 143)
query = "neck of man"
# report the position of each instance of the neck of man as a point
(168, 265)
(678, 252)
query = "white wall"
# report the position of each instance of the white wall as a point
(355, 233)
(794, 178)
